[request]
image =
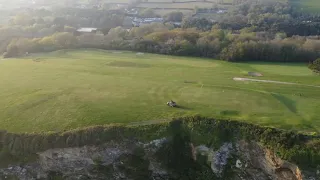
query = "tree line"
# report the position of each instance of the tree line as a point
(248, 32)
(236, 46)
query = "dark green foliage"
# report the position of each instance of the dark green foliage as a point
(251, 33)
(237, 46)
(315, 65)
(147, 13)
(301, 149)
(174, 16)
(201, 24)
(12, 51)
(105, 31)
(135, 166)
(53, 175)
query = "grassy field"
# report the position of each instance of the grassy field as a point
(310, 6)
(69, 89)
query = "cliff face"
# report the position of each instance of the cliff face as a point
(194, 148)
(241, 160)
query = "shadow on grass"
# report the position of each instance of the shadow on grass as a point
(128, 64)
(287, 102)
(183, 107)
(277, 63)
(230, 113)
(190, 82)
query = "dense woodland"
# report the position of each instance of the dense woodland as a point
(248, 32)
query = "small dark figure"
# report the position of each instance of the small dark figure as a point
(172, 103)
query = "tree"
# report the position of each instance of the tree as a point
(105, 31)
(117, 33)
(280, 36)
(174, 17)
(47, 43)
(92, 40)
(60, 21)
(312, 45)
(201, 24)
(12, 51)
(23, 20)
(147, 13)
(315, 66)
(138, 32)
(64, 40)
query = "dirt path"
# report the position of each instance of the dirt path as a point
(275, 82)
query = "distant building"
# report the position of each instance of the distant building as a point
(175, 24)
(87, 30)
(131, 12)
(212, 11)
(142, 21)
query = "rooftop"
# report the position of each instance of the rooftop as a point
(86, 29)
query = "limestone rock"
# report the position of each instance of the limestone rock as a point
(268, 162)
(220, 158)
(248, 161)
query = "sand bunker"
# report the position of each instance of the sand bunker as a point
(275, 82)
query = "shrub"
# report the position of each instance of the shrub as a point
(12, 51)
(315, 66)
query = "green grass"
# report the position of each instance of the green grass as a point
(310, 6)
(69, 89)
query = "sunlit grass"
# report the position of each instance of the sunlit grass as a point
(69, 89)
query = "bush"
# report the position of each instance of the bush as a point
(12, 51)
(5, 55)
(315, 66)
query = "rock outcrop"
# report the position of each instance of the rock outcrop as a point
(135, 160)
(128, 160)
(251, 162)
(258, 158)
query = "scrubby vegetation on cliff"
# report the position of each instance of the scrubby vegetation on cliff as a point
(304, 150)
